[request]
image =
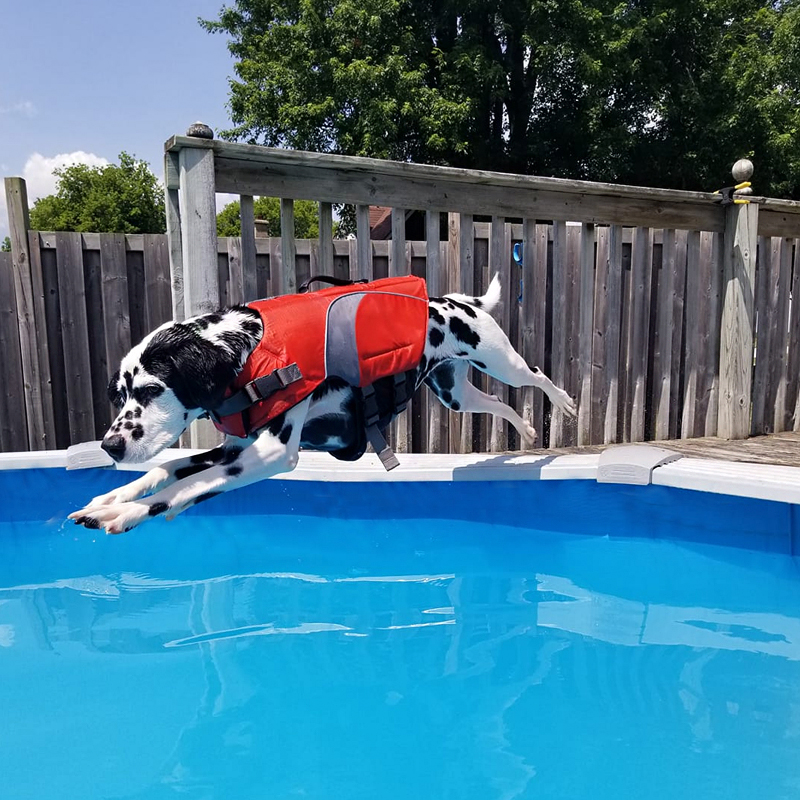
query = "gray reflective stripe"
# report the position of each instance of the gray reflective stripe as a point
(341, 353)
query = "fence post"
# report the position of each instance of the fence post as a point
(199, 245)
(737, 325)
(37, 395)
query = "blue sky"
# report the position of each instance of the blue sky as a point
(95, 77)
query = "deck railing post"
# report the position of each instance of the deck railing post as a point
(199, 245)
(737, 326)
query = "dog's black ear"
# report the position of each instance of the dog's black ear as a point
(203, 374)
(114, 395)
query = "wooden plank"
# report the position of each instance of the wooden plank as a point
(363, 244)
(466, 285)
(454, 419)
(693, 337)
(585, 333)
(288, 271)
(174, 241)
(780, 282)
(52, 321)
(775, 222)
(793, 386)
(13, 426)
(763, 334)
(500, 263)
(436, 441)
(325, 239)
(156, 280)
(247, 256)
(641, 276)
(599, 399)
(401, 427)
(93, 286)
(533, 316)
(560, 326)
(116, 310)
(244, 169)
(612, 339)
(678, 308)
(665, 319)
(713, 321)
(17, 205)
(75, 336)
(43, 346)
(235, 271)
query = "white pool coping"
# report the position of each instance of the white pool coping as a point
(743, 479)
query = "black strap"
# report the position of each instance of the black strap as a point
(327, 279)
(259, 389)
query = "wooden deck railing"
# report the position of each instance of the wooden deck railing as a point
(646, 304)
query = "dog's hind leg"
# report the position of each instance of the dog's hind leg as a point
(166, 474)
(494, 355)
(449, 382)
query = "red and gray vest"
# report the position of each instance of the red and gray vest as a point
(361, 333)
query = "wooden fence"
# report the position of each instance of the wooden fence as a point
(632, 299)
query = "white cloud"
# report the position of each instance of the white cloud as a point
(38, 170)
(25, 107)
(38, 175)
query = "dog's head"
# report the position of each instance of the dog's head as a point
(175, 374)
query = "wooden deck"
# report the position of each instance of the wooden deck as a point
(776, 448)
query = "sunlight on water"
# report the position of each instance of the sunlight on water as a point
(281, 657)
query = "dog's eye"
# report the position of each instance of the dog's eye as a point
(147, 393)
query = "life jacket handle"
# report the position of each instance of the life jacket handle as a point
(327, 279)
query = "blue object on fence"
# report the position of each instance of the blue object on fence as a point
(517, 253)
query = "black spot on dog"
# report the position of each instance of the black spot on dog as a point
(137, 432)
(328, 385)
(435, 337)
(129, 415)
(207, 496)
(275, 426)
(191, 469)
(455, 405)
(476, 301)
(137, 412)
(230, 454)
(286, 434)
(447, 398)
(462, 353)
(435, 315)
(185, 415)
(464, 333)
(233, 471)
(211, 457)
(445, 376)
(128, 378)
(128, 426)
(158, 508)
(423, 365)
(467, 309)
(478, 364)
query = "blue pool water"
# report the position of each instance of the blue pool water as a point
(293, 641)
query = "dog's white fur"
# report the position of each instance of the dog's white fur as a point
(152, 416)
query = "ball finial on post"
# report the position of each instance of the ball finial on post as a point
(742, 171)
(200, 131)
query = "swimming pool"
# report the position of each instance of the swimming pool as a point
(458, 635)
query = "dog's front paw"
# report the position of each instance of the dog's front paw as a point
(116, 518)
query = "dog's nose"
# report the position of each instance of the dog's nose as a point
(114, 446)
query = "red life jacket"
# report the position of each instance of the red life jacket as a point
(360, 333)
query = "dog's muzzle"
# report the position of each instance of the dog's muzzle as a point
(114, 446)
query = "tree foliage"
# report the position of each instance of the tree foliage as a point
(655, 92)
(123, 198)
(5, 245)
(306, 225)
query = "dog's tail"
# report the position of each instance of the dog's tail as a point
(488, 301)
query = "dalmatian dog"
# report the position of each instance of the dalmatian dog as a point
(183, 369)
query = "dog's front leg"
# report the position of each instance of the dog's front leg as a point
(166, 474)
(273, 451)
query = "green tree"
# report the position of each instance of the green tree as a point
(123, 198)
(306, 225)
(658, 92)
(5, 247)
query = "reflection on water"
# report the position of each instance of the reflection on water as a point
(217, 658)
